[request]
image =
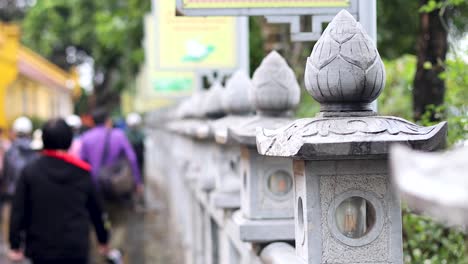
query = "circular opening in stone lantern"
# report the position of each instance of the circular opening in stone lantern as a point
(280, 183)
(355, 217)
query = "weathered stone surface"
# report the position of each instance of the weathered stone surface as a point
(264, 230)
(320, 187)
(344, 71)
(275, 86)
(228, 186)
(434, 183)
(318, 138)
(260, 201)
(235, 100)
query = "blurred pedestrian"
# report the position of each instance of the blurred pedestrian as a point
(55, 201)
(75, 123)
(136, 137)
(15, 159)
(104, 147)
(104, 137)
(4, 146)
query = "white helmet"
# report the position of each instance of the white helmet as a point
(22, 125)
(73, 121)
(133, 119)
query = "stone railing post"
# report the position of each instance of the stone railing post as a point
(345, 208)
(267, 183)
(226, 195)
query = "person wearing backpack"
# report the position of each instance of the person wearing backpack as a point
(115, 172)
(54, 204)
(15, 159)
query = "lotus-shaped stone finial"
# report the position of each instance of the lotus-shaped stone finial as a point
(276, 90)
(195, 105)
(344, 71)
(212, 105)
(236, 95)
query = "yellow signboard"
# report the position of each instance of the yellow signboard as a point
(263, 3)
(194, 42)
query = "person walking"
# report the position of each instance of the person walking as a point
(103, 146)
(93, 146)
(4, 147)
(54, 203)
(136, 137)
(15, 159)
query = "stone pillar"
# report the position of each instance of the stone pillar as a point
(267, 182)
(226, 191)
(345, 208)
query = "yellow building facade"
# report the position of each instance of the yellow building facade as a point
(29, 84)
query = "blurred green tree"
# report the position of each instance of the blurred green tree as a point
(437, 19)
(111, 32)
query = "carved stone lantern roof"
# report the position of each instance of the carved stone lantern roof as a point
(345, 74)
(275, 94)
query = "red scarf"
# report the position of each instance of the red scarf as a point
(67, 158)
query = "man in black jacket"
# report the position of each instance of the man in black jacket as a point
(54, 203)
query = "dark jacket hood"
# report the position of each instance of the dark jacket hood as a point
(60, 171)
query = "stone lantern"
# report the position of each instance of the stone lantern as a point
(267, 182)
(234, 101)
(345, 208)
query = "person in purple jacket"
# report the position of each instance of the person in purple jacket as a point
(93, 142)
(120, 212)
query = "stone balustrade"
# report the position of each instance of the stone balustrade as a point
(249, 184)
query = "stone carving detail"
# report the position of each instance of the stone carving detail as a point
(353, 125)
(304, 134)
(276, 90)
(212, 104)
(235, 99)
(344, 67)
